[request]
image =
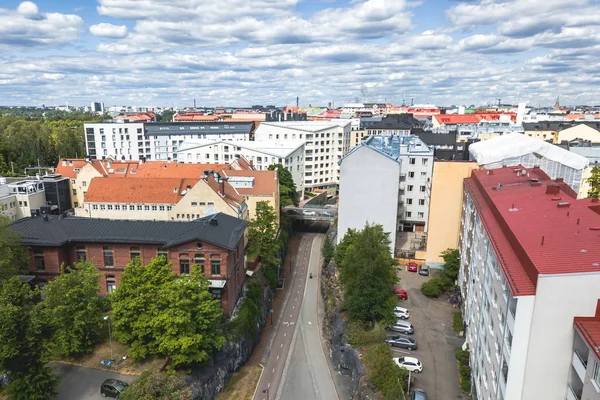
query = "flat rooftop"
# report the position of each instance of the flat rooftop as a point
(536, 225)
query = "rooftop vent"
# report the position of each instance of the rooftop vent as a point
(552, 189)
(175, 190)
(563, 204)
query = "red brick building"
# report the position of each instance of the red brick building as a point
(214, 243)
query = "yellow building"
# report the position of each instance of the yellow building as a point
(356, 136)
(578, 132)
(445, 206)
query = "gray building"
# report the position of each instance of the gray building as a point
(386, 180)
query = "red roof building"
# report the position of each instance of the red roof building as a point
(454, 119)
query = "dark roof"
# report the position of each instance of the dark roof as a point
(398, 121)
(434, 139)
(56, 231)
(197, 127)
(557, 125)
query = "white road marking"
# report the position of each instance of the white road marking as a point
(293, 307)
(269, 385)
(278, 357)
(284, 335)
(290, 315)
(273, 371)
(310, 323)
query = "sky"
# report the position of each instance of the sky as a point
(247, 52)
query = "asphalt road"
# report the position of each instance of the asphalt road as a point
(281, 341)
(307, 375)
(78, 383)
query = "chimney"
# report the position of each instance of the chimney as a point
(222, 182)
(109, 163)
(552, 189)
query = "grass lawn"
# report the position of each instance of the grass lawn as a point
(242, 385)
(457, 321)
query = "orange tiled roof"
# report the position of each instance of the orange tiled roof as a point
(195, 117)
(454, 119)
(71, 164)
(163, 169)
(139, 190)
(231, 196)
(265, 182)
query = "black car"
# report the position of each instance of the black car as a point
(402, 341)
(113, 388)
(418, 394)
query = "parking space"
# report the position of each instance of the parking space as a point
(436, 340)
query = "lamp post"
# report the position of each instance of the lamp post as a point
(267, 392)
(112, 357)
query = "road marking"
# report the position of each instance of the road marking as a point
(293, 307)
(273, 371)
(284, 334)
(310, 323)
(295, 298)
(278, 357)
(269, 385)
(290, 315)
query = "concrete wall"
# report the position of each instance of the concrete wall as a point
(369, 190)
(520, 343)
(445, 206)
(578, 132)
(559, 298)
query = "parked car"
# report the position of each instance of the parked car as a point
(113, 388)
(412, 267)
(410, 363)
(418, 394)
(401, 294)
(326, 214)
(310, 213)
(401, 313)
(402, 341)
(402, 327)
(424, 270)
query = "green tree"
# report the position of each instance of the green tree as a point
(159, 386)
(340, 249)
(75, 308)
(13, 256)
(160, 313)
(328, 251)
(368, 275)
(262, 233)
(594, 181)
(451, 263)
(288, 194)
(167, 116)
(25, 335)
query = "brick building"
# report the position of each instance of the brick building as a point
(215, 243)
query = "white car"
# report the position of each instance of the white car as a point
(410, 363)
(401, 313)
(307, 212)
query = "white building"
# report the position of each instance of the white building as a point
(326, 143)
(154, 140)
(386, 180)
(289, 153)
(19, 199)
(97, 107)
(529, 265)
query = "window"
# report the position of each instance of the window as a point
(108, 256)
(163, 252)
(111, 284)
(109, 207)
(161, 208)
(194, 203)
(154, 208)
(184, 264)
(169, 208)
(411, 174)
(210, 203)
(75, 204)
(421, 215)
(24, 203)
(215, 265)
(139, 208)
(421, 202)
(74, 192)
(412, 161)
(131, 208)
(102, 207)
(84, 183)
(117, 207)
(199, 260)
(422, 188)
(423, 174)
(146, 208)
(202, 203)
(409, 201)
(94, 206)
(135, 252)
(424, 161)
(38, 256)
(408, 214)
(80, 253)
(409, 188)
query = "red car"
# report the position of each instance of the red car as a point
(412, 267)
(401, 294)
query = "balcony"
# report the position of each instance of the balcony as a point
(572, 395)
(579, 365)
(510, 319)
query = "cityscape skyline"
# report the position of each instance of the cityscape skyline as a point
(236, 52)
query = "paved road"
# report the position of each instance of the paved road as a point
(307, 374)
(78, 383)
(281, 341)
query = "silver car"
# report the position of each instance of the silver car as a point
(403, 327)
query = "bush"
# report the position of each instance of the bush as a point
(443, 282)
(270, 274)
(430, 289)
(464, 369)
(247, 319)
(383, 373)
(457, 322)
(358, 335)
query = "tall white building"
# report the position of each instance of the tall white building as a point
(155, 140)
(262, 154)
(386, 180)
(326, 143)
(530, 264)
(97, 107)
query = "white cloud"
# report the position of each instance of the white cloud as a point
(28, 9)
(109, 30)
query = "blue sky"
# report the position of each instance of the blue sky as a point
(244, 52)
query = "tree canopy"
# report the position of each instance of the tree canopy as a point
(157, 386)
(25, 334)
(451, 263)
(160, 313)
(75, 309)
(288, 195)
(262, 233)
(368, 274)
(594, 181)
(13, 256)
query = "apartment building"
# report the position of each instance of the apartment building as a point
(215, 244)
(584, 377)
(386, 180)
(529, 265)
(262, 154)
(156, 140)
(326, 143)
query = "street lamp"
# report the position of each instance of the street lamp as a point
(112, 356)
(267, 392)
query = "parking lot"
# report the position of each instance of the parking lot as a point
(436, 340)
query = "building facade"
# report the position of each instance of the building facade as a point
(524, 239)
(156, 140)
(584, 376)
(215, 244)
(386, 180)
(326, 143)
